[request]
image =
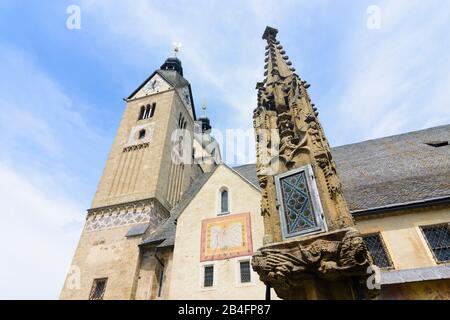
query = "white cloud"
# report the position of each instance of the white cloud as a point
(213, 37)
(43, 139)
(396, 77)
(389, 83)
(37, 240)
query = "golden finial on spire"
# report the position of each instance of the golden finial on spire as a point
(176, 48)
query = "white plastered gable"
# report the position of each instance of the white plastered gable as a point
(154, 85)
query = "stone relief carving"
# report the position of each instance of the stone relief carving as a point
(287, 265)
(125, 214)
(135, 147)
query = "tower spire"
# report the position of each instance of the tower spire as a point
(277, 64)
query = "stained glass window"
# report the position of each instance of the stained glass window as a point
(300, 208)
(297, 203)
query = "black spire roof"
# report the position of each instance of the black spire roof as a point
(173, 63)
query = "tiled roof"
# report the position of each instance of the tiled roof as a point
(164, 236)
(174, 78)
(395, 170)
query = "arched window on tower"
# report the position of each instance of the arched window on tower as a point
(153, 109)
(147, 111)
(142, 134)
(180, 119)
(141, 113)
(224, 201)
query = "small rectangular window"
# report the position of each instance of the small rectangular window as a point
(98, 289)
(375, 245)
(438, 239)
(208, 280)
(245, 271)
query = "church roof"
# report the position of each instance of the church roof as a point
(375, 174)
(174, 78)
(164, 236)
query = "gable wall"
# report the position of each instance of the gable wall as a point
(186, 277)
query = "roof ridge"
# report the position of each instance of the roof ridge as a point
(394, 135)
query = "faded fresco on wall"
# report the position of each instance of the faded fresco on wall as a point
(226, 237)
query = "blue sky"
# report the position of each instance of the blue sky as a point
(61, 93)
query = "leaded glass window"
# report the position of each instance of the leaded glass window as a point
(208, 280)
(376, 247)
(300, 209)
(245, 271)
(98, 289)
(438, 239)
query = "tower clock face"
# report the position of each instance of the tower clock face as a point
(152, 86)
(186, 96)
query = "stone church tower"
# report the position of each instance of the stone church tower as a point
(148, 169)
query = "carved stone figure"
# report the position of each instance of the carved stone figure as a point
(323, 258)
(286, 266)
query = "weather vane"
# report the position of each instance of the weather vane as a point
(176, 48)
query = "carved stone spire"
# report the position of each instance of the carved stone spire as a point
(277, 63)
(306, 219)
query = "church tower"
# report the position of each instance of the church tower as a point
(149, 167)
